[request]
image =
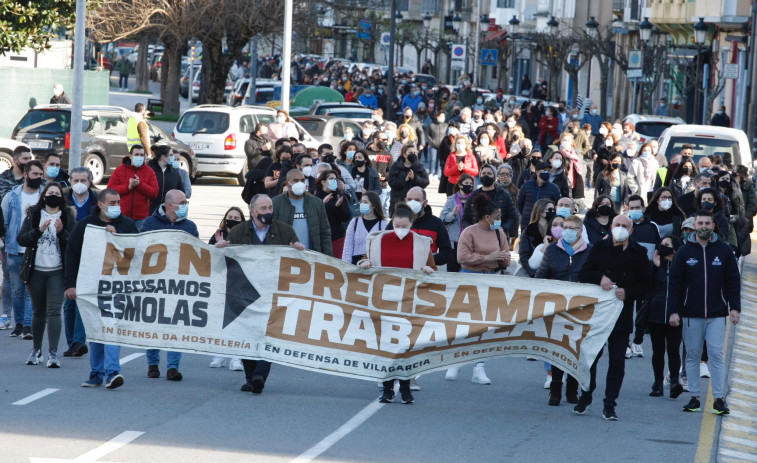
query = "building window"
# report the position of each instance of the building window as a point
(505, 3)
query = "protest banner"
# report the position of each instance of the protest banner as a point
(169, 290)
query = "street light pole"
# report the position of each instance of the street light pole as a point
(478, 44)
(287, 56)
(390, 77)
(514, 24)
(700, 36)
(74, 152)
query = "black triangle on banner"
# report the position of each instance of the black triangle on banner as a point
(239, 292)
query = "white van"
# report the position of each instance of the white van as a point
(707, 140)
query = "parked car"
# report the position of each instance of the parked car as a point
(47, 129)
(328, 129)
(320, 109)
(198, 79)
(184, 81)
(237, 93)
(7, 145)
(217, 134)
(707, 140)
(265, 90)
(156, 64)
(427, 79)
(651, 127)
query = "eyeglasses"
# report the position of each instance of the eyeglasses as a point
(183, 203)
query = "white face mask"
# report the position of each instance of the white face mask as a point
(401, 232)
(566, 144)
(631, 152)
(484, 142)
(556, 163)
(298, 188)
(609, 142)
(511, 124)
(79, 188)
(666, 204)
(307, 170)
(461, 146)
(620, 234)
(415, 206)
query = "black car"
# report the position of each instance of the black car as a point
(47, 129)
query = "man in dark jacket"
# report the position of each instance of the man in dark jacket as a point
(704, 284)
(406, 173)
(258, 146)
(688, 201)
(167, 175)
(622, 264)
(104, 359)
(261, 229)
(305, 213)
(564, 263)
(498, 195)
(410, 119)
(535, 189)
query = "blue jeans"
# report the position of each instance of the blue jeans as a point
(22, 304)
(433, 162)
(72, 323)
(104, 359)
(172, 358)
(125, 79)
(7, 301)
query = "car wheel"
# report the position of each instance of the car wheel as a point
(6, 161)
(95, 165)
(242, 177)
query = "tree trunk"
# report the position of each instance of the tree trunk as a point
(213, 80)
(169, 84)
(419, 52)
(603, 76)
(143, 73)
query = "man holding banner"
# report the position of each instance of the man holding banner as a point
(104, 359)
(620, 263)
(262, 228)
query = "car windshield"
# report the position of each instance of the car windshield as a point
(42, 121)
(727, 149)
(350, 114)
(203, 122)
(312, 127)
(652, 129)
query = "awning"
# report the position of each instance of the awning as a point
(495, 35)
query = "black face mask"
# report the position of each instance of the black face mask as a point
(286, 163)
(615, 165)
(604, 210)
(232, 223)
(266, 219)
(412, 158)
(53, 201)
(34, 183)
(544, 176)
(456, 112)
(686, 170)
(724, 183)
(525, 151)
(381, 146)
(359, 163)
(466, 189)
(549, 216)
(329, 159)
(663, 250)
(535, 161)
(487, 181)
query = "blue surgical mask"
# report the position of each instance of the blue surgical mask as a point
(113, 212)
(137, 161)
(563, 212)
(497, 224)
(182, 211)
(569, 235)
(365, 208)
(175, 164)
(52, 171)
(635, 214)
(350, 154)
(348, 136)
(333, 184)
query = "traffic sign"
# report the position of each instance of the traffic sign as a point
(489, 57)
(458, 51)
(385, 39)
(731, 71)
(634, 73)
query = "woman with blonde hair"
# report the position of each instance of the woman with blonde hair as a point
(282, 128)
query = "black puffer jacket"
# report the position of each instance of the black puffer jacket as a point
(526, 245)
(504, 202)
(168, 179)
(657, 305)
(595, 230)
(558, 265)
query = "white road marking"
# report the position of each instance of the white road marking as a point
(93, 455)
(33, 397)
(131, 357)
(361, 417)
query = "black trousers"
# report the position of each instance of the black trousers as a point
(404, 384)
(557, 375)
(253, 368)
(641, 323)
(616, 369)
(665, 338)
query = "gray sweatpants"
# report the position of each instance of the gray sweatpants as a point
(695, 332)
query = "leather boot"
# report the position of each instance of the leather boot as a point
(555, 393)
(571, 390)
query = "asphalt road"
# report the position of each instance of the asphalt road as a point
(306, 416)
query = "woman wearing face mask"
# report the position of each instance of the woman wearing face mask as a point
(573, 167)
(45, 233)
(337, 207)
(709, 199)
(486, 151)
(347, 153)
(598, 219)
(562, 260)
(497, 138)
(532, 158)
(365, 176)
(483, 248)
(446, 147)
(459, 162)
(436, 131)
(643, 172)
(496, 195)
(554, 233)
(406, 173)
(406, 134)
(663, 210)
(276, 175)
(548, 127)
(282, 128)
(452, 214)
(371, 219)
(557, 172)
(398, 248)
(538, 227)
(682, 181)
(665, 338)
(613, 182)
(505, 176)
(603, 147)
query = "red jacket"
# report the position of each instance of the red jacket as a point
(470, 166)
(135, 203)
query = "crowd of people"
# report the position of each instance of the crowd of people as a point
(663, 234)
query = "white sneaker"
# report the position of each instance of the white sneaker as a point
(666, 382)
(629, 353)
(548, 382)
(637, 350)
(414, 385)
(218, 362)
(236, 365)
(479, 375)
(704, 370)
(451, 374)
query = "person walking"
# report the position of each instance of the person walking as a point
(337, 208)
(124, 70)
(136, 185)
(705, 288)
(45, 234)
(452, 215)
(371, 219)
